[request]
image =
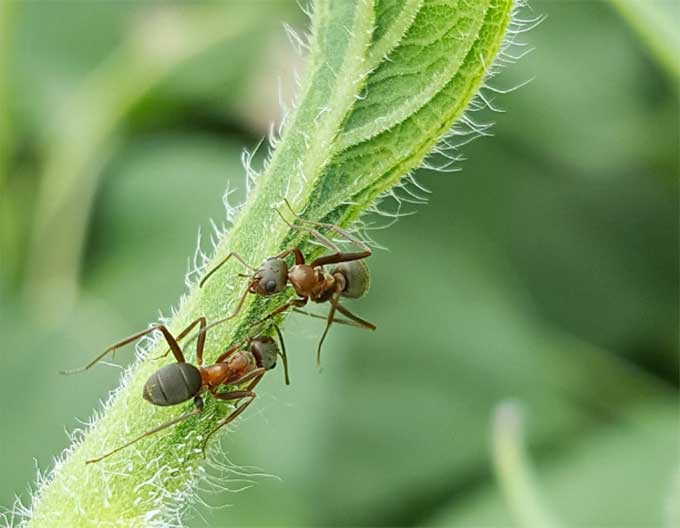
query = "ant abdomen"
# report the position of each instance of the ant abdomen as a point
(172, 384)
(357, 277)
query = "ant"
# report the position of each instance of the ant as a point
(348, 278)
(179, 382)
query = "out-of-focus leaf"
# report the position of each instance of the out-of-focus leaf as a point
(136, 217)
(49, 62)
(597, 256)
(616, 475)
(514, 470)
(656, 22)
(80, 134)
(564, 218)
(39, 403)
(592, 84)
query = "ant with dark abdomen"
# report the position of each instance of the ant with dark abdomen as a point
(348, 278)
(181, 381)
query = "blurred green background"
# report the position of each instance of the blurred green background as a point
(544, 272)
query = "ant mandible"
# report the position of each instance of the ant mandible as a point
(349, 278)
(179, 382)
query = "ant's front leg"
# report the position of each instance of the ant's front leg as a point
(222, 263)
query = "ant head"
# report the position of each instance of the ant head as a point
(271, 277)
(265, 350)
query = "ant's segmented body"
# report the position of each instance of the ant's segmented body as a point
(348, 278)
(181, 381)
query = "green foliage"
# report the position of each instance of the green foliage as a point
(545, 272)
(91, 117)
(656, 22)
(514, 471)
(335, 150)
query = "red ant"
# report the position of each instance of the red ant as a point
(179, 382)
(348, 278)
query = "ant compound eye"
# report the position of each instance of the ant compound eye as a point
(270, 286)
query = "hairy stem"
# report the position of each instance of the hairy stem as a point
(385, 81)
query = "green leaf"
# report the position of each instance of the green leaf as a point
(620, 474)
(362, 122)
(656, 23)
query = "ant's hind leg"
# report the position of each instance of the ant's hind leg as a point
(329, 321)
(282, 353)
(325, 318)
(198, 407)
(360, 322)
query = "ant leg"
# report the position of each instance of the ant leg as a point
(224, 319)
(234, 414)
(174, 347)
(282, 353)
(361, 322)
(255, 375)
(337, 258)
(201, 339)
(228, 352)
(200, 345)
(235, 395)
(325, 241)
(234, 313)
(335, 319)
(299, 258)
(198, 407)
(342, 232)
(222, 263)
(334, 304)
(294, 302)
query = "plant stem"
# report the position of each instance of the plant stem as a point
(513, 469)
(360, 125)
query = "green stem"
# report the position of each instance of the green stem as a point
(361, 124)
(513, 469)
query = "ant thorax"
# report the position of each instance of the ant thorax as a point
(241, 362)
(235, 366)
(311, 282)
